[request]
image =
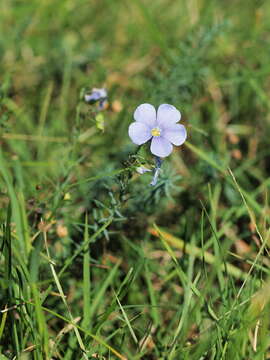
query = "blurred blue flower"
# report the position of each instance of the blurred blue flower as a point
(97, 95)
(161, 127)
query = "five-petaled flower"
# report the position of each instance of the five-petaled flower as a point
(161, 127)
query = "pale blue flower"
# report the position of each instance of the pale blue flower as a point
(160, 127)
(97, 95)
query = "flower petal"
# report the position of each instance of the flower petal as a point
(176, 134)
(146, 113)
(167, 115)
(139, 133)
(161, 146)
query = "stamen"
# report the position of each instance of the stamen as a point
(155, 131)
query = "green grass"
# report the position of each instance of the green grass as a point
(94, 262)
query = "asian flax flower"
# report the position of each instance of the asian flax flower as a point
(97, 95)
(161, 127)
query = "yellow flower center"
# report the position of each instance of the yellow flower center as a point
(155, 132)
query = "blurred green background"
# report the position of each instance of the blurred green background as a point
(95, 263)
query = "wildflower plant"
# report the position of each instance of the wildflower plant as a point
(161, 128)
